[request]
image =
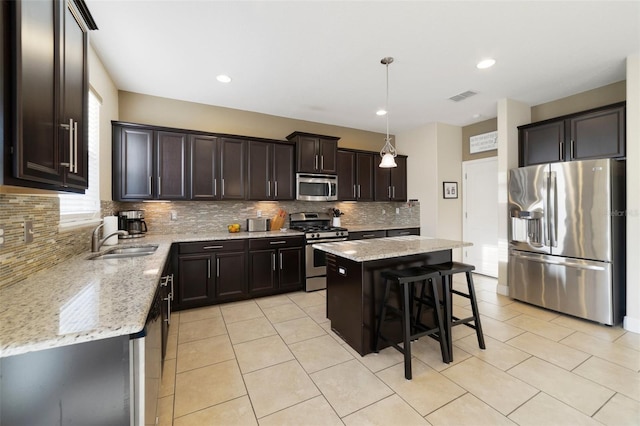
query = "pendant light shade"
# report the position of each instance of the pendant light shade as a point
(388, 152)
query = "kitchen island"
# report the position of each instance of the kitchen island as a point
(354, 285)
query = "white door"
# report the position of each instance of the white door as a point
(480, 214)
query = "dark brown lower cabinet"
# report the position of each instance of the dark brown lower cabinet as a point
(275, 265)
(210, 272)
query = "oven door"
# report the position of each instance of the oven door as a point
(316, 265)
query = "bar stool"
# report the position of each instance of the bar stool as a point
(447, 270)
(412, 327)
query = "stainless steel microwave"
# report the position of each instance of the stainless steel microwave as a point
(316, 187)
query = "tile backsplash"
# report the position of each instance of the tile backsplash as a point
(197, 217)
(50, 247)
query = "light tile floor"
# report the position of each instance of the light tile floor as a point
(275, 361)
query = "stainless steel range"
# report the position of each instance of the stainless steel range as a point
(317, 229)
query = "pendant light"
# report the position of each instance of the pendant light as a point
(388, 152)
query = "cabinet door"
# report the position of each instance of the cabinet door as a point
(230, 273)
(382, 182)
(75, 92)
(262, 271)
(259, 170)
(171, 166)
(290, 264)
(36, 152)
(308, 161)
(364, 178)
(398, 179)
(327, 152)
(346, 167)
(134, 171)
(599, 134)
(204, 168)
(232, 169)
(283, 172)
(542, 144)
(195, 283)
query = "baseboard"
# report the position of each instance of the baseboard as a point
(502, 289)
(631, 324)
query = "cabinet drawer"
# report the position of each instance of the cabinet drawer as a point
(364, 235)
(212, 246)
(401, 232)
(275, 243)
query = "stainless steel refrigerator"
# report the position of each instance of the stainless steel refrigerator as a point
(567, 238)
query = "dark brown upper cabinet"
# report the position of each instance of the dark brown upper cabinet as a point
(46, 122)
(355, 175)
(218, 167)
(597, 133)
(391, 183)
(270, 168)
(315, 153)
(149, 164)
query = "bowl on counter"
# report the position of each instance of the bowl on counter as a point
(234, 227)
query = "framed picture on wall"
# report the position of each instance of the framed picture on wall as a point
(449, 189)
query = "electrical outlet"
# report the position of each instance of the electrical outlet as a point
(28, 231)
(174, 215)
(259, 213)
(1, 235)
(397, 210)
(384, 211)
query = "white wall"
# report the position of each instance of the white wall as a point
(511, 114)
(435, 156)
(102, 84)
(421, 146)
(632, 318)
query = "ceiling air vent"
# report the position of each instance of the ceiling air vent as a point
(462, 96)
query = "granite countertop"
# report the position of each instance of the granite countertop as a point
(81, 300)
(385, 248)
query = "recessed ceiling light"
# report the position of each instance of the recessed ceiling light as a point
(486, 63)
(222, 78)
(381, 112)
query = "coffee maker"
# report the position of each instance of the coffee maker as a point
(133, 222)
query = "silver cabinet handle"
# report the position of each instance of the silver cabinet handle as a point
(354, 191)
(171, 280)
(222, 187)
(150, 184)
(268, 188)
(159, 185)
(217, 267)
(209, 268)
(168, 320)
(275, 186)
(322, 162)
(273, 243)
(560, 154)
(215, 187)
(394, 191)
(368, 236)
(212, 247)
(281, 261)
(571, 148)
(273, 261)
(75, 147)
(404, 233)
(316, 162)
(359, 194)
(389, 191)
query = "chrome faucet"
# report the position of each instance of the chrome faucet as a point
(96, 242)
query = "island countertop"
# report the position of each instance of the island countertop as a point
(390, 247)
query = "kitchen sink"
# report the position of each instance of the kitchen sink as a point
(125, 252)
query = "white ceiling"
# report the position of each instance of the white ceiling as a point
(320, 60)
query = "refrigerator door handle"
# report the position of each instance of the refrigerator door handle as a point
(552, 217)
(548, 261)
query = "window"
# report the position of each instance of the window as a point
(80, 209)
